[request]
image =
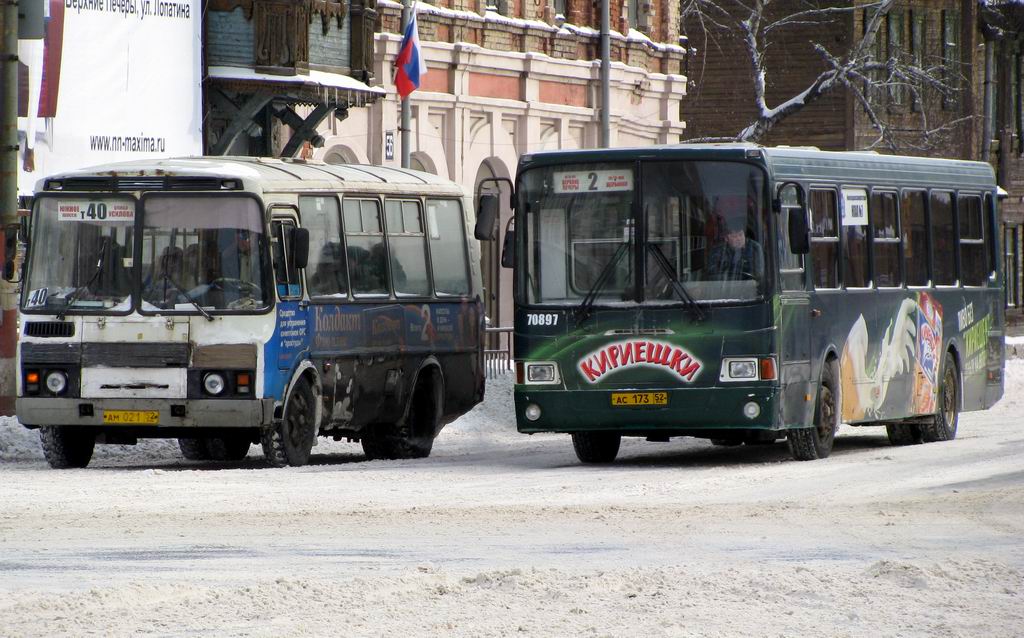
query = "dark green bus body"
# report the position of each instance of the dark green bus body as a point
(888, 342)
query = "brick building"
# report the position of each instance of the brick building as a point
(511, 78)
(952, 36)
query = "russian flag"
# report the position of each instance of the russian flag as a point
(410, 62)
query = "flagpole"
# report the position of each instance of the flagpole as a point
(406, 121)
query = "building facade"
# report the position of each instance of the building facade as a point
(510, 79)
(973, 47)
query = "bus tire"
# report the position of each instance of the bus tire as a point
(233, 447)
(66, 447)
(903, 433)
(290, 440)
(414, 439)
(596, 447)
(809, 444)
(194, 449)
(942, 427)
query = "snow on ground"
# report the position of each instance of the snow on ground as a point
(501, 534)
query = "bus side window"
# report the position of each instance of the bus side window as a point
(915, 238)
(791, 267)
(364, 234)
(974, 260)
(327, 270)
(407, 247)
(884, 216)
(448, 259)
(943, 238)
(286, 275)
(824, 238)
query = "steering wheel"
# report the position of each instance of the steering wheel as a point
(246, 288)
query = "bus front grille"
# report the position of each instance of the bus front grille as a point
(49, 329)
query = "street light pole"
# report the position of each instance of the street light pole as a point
(605, 76)
(406, 121)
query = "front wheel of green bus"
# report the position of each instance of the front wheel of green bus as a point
(596, 447)
(809, 444)
(66, 447)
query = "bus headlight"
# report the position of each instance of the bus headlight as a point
(56, 382)
(546, 372)
(213, 383)
(532, 412)
(739, 369)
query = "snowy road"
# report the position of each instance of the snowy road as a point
(503, 534)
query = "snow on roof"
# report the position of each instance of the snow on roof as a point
(321, 79)
(492, 16)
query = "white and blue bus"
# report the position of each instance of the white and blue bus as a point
(230, 301)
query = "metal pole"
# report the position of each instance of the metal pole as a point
(606, 135)
(406, 123)
(8, 193)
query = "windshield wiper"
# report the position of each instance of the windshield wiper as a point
(673, 281)
(583, 310)
(73, 297)
(166, 277)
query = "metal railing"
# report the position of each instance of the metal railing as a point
(497, 352)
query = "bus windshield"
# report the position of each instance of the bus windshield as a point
(81, 255)
(702, 233)
(203, 251)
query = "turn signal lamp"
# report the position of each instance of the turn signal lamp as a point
(32, 377)
(768, 372)
(242, 383)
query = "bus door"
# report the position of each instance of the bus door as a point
(794, 320)
(292, 332)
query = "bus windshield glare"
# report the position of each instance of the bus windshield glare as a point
(204, 251)
(702, 233)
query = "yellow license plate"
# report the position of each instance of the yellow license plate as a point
(144, 417)
(633, 399)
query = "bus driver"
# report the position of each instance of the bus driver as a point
(735, 257)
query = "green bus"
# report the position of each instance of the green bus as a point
(747, 294)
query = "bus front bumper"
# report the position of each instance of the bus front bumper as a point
(687, 410)
(177, 413)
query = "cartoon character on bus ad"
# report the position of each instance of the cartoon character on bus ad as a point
(910, 345)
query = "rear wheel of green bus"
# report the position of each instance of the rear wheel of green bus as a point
(290, 441)
(66, 447)
(596, 447)
(942, 427)
(808, 444)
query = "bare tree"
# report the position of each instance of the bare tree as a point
(857, 65)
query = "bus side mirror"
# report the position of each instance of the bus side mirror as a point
(486, 217)
(508, 246)
(12, 233)
(300, 247)
(799, 240)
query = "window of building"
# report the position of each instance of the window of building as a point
(950, 57)
(885, 243)
(407, 244)
(918, 41)
(448, 261)
(973, 248)
(943, 238)
(366, 254)
(824, 238)
(896, 26)
(326, 268)
(1011, 264)
(914, 227)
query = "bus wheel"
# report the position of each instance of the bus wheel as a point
(942, 427)
(596, 447)
(808, 444)
(233, 447)
(194, 449)
(290, 441)
(65, 447)
(903, 433)
(414, 439)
